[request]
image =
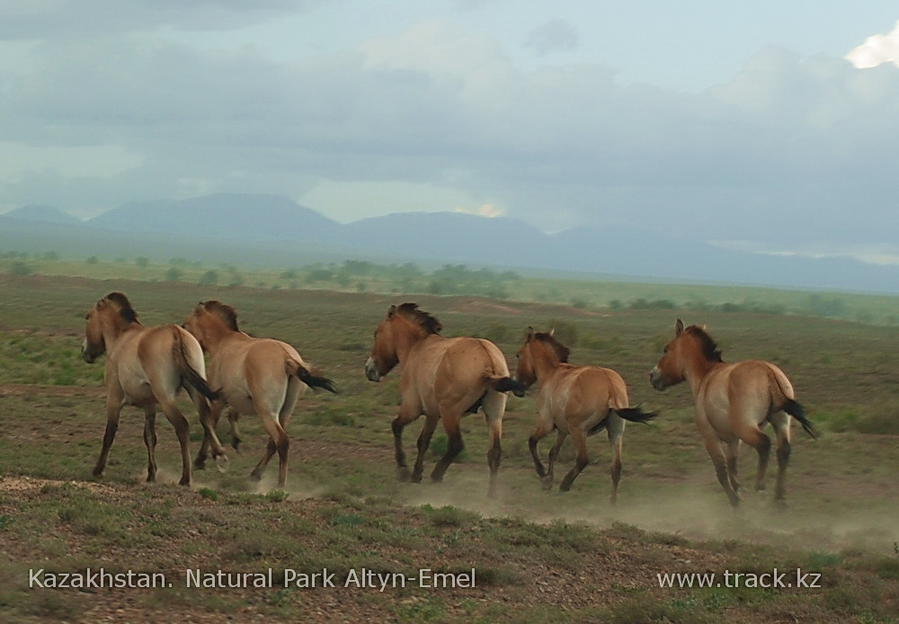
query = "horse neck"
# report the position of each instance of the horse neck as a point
(407, 336)
(698, 366)
(113, 330)
(214, 334)
(545, 364)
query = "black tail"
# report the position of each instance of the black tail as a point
(796, 410)
(507, 384)
(314, 381)
(188, 373)
(635, 414)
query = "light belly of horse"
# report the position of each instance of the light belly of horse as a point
(139, 393)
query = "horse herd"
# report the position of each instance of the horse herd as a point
(442, 378)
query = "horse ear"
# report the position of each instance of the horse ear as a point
(552, 332)
(101, 303)
(531, 332)
(391, 311)
(678, 327)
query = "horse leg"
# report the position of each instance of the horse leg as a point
(719, 460)
(209, 423)
(236, 440)
(615, 428)
(150, 441)
(215, 413)
(408, 412)
(561, 436)
(732, 453)
(294, 389)
(781, 424)
(182, 430)
(277, 442)
(494, 409)
(424, 441)
(113, 411)
(579, 438)
(544, 426)
(451, 424)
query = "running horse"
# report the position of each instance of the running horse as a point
(733, 402)
(442, 378)
(574, 400)
(145, 367)
(259, 376)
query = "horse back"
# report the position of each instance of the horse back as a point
(444, 368)
(581, 391)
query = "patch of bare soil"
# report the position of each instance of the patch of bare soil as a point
(43, 391)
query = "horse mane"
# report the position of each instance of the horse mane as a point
(223, 311)
(426, 321)
(710, 348)
(126, 311)
(562, 352)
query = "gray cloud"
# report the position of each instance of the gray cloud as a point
(791, 149)
(553, 36)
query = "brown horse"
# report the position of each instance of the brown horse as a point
(442, 378)
(733, 403)
(256, 376)
(145, 367)
(575, 400)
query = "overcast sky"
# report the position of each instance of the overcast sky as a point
(767, 124)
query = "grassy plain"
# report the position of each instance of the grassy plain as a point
(541, 556)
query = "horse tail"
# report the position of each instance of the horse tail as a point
(507, 384)
(294, 367)
(634, 414)
(792, 407)
(796, 410)
(188, 373)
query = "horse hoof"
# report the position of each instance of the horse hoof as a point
(255, 476)
(185, 481)
(759, 487)
(403, 474)
(200, 465)
(221, 463)
(564, 487)
(235, 444)
(151, 478)
(415, 478)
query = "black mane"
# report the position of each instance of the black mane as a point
(562, 352)
(710, 348)
(223, 311)
(125, 310)
(427, 322)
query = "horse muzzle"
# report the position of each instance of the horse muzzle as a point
(371, 371)
(657, 380)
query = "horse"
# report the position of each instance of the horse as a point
(442, 378)
(733, 403)
(145, 367)
(259, 376)
(574, 400)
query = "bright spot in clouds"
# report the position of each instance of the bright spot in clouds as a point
(876, 50)
(484, 210)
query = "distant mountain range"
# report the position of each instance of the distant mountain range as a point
(275, 231)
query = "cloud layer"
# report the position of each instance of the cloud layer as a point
(791, 149)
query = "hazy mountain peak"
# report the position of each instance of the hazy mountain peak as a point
(42, 214)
